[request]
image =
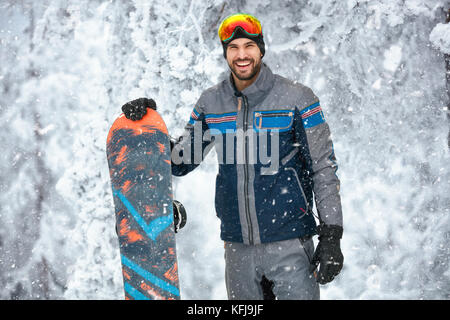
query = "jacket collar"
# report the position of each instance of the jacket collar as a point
(259, 89)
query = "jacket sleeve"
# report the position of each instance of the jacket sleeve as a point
(189, 150)
(326, 183)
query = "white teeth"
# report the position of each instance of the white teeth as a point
(243, 65)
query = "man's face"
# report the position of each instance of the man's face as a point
(244, 58)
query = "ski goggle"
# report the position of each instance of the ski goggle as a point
(248, 23)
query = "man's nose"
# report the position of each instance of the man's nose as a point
(242, 53)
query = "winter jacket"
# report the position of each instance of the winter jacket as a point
(275, 153)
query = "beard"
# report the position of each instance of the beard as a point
(255, 67)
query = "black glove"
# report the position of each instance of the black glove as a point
(328, 253)
(136, 109)
(179, 215)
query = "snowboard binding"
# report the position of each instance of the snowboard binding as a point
(179, 215)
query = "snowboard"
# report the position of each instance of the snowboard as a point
(139, 162)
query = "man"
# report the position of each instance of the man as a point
(265, 203)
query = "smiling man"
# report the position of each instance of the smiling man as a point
(244, 60)
(265, 208)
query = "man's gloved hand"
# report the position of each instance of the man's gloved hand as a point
(328, 253)
(136, 109)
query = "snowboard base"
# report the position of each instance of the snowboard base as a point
(138, 155)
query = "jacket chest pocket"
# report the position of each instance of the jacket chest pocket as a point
(280, 120)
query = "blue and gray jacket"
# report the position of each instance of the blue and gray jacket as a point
(275, 156)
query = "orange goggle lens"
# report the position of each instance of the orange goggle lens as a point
(247, 22)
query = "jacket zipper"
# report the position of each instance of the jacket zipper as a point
(278, 114)
(247, 210)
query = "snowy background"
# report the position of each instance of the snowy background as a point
(66, 67)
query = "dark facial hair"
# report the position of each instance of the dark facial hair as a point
(250, 76)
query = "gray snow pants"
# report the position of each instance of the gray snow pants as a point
(284, 263)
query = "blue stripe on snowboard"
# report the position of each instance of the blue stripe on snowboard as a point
(147, 275)
(155, 227)
(133, 292)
